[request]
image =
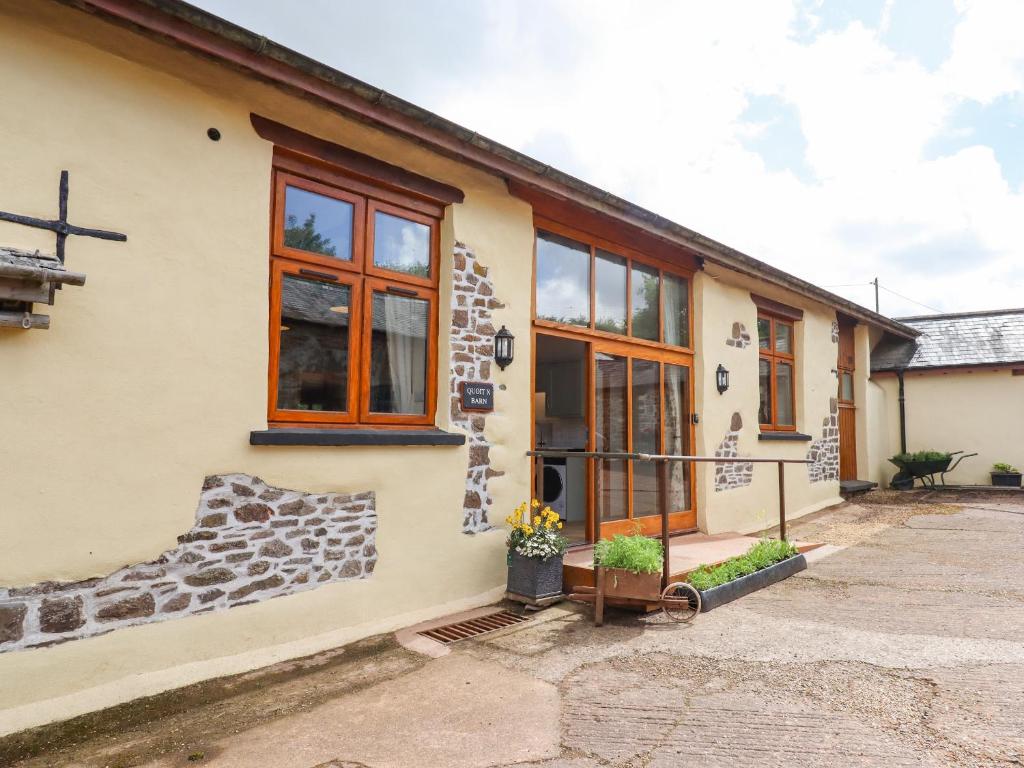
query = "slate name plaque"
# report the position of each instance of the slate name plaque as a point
(477, 396)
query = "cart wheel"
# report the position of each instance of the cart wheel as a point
(680, 601)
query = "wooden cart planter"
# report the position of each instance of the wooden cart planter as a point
(617, 586)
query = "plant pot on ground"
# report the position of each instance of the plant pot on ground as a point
(764, 564)
(1005, 476)
(535, 549)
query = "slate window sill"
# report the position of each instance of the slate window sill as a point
(332, 437)
(793, 437)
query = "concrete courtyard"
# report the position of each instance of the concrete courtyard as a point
(901, 645)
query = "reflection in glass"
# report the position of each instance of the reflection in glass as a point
(677, 434)
(764, 410)
(563, 279)
(764, 333)
(645, 291)
(401, 245)
(783, 338)
(317, 223)
(677, 311)
(611, 436)
(312, 366)
(846, 390)
(784, 394)
(610, 293)
(646, 435)
(398, 354)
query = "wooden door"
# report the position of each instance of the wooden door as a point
(642, 404)
(846, 367)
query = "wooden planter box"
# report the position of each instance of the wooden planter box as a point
(726, 593)
(619, 582)
(1006, 479)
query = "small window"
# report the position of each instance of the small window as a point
(776, 377)
(610, 293)
(646, 300)
(353, 339)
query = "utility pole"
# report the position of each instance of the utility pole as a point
(875, 283)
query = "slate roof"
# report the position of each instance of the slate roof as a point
(995, 337)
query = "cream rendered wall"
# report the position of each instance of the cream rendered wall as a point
(883, 428)
(722, 298)
(976, 412)
(153, 374)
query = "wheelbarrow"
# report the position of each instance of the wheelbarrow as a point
(925, 471)
(615, 586)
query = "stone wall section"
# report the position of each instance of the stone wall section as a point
(251, 542)
(733, 475)
(740, 337)
(472, 358)
(824, 452)
(835, 331)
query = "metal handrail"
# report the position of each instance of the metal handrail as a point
(663, 461)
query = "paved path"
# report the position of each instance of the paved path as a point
(903, 647)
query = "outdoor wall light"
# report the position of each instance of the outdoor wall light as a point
(504, 347)
(722, 378)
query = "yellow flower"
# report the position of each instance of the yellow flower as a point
(533, 503)
(536, 520)
(559, 526)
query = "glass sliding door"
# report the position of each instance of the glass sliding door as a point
(641, 405)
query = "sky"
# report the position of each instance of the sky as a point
(839, 140)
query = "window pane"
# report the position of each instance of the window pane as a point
(646, 435)
(846, 390)
(764, 333)
(317, 224)
(563, 279)
(312, 367)
(610, 293)
(764, 411)
(645, 291)
(401, 245)
(783, 337)
(677, 311)
(611, 435)
(677, 433)
(398, 354)
(784, 396)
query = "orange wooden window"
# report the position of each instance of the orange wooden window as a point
(776, 372)
(353, 303)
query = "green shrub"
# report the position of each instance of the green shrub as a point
(638, 554)
(1001, 467)
(901, 458)
(764, 553)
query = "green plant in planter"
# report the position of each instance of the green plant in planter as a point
(900, 458)
(764, 553)
(1005, 468)
(638, 554)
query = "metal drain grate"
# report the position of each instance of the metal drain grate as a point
(463, 630)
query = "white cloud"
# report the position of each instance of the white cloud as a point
(646, 100)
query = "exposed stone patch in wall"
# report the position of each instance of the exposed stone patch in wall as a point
(472, 355)
(739, 474)
(835, 331)
(740, 336)
(824, 452)
(251, 542)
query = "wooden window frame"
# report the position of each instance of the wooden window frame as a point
(631, 257)
(774, 358)
(363, 278)
(359, 218)
(366, 416)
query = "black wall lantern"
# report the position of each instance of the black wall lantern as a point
(504, 347)
(722, 378)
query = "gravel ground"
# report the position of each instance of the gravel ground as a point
(905, 647)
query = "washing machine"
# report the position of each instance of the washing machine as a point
(555, 486)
